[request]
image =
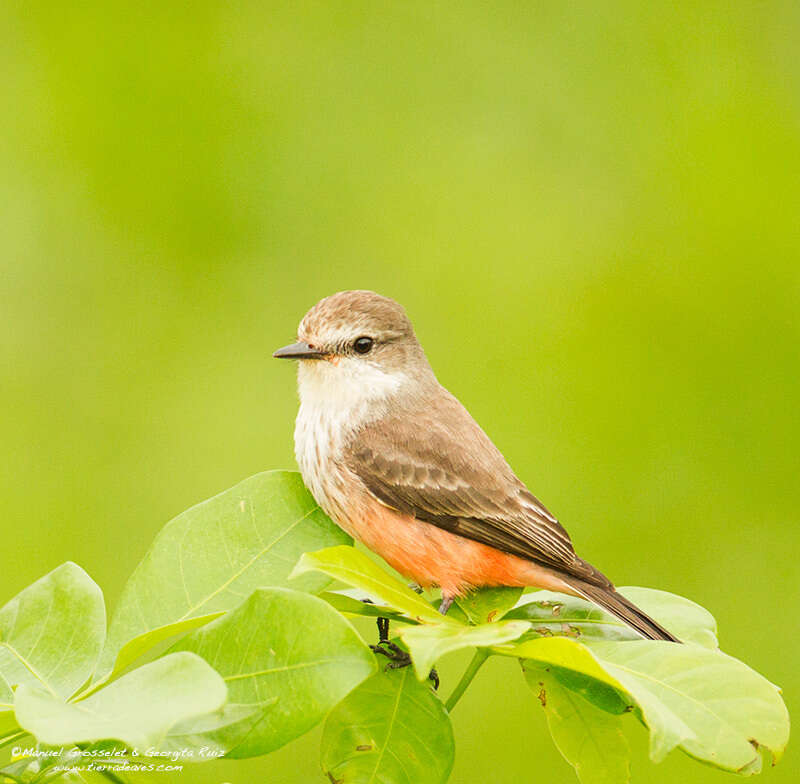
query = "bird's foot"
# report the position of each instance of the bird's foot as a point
(398, 658)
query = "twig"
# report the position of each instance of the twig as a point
(481, 654)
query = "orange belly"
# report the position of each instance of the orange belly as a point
(432, 556)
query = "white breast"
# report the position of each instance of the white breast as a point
(335, 400)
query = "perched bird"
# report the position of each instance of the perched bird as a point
(396, 461)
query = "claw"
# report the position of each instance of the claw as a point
(396, 655)
(398, 658)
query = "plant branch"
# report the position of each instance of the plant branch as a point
(481, 655)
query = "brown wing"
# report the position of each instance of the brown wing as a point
(438, 465)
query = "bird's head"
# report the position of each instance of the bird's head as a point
(356, 346)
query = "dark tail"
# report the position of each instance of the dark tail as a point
(619, 606)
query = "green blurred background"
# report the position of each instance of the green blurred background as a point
(590, 211)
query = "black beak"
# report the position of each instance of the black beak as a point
(299, 351)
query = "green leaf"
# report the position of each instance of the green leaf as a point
(142, 643)
(51, 633)
(82, 777)
(427, 644)
(6, 695)
(488, 604)
(39, 769)
(590, 739)
(575, 667)
(8, 723)
(354, 568)
(347, 605)
(138, 709)
(285, 645)
(564, 653)
(17, 771)
(712, 705)
(212, 735)
(554, 613)
(392, 729)
(686, 619)
(210, 558)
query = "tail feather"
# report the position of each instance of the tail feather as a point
(625, 610)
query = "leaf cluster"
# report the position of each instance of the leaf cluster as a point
(228, 642)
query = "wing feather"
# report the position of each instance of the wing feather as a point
(439, 466)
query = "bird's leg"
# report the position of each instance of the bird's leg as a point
(383, 626)
(383, 630)
(398, 658)
(446, 603)
(385, 647)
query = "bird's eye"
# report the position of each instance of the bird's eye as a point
(363, 345)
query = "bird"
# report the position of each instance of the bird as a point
(395, 460)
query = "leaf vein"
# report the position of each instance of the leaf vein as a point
(236, 575)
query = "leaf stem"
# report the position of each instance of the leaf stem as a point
(481, 655)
